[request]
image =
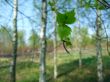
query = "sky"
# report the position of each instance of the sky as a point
(24, 23)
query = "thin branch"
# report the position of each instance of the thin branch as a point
(107, 43)
(104, 3)
(65, 47)
(19, 11)
(7, 32)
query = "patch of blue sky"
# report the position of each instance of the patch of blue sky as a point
(26, 7)
(24, 23)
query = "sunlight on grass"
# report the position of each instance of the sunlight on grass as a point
(68, 70)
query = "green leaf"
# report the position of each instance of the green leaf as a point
(60, 18)
(66, 18)
(63, 31)
(70, 17)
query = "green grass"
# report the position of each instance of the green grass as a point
(68, 70)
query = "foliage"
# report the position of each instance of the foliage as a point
(33, 39)
(64, 31)
(91, 4)
(81, 35)
(6, 33)
(68, 17)
(21, 40)
(5, 39)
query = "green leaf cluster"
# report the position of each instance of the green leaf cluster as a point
(63, 19)
(52, 5)
(63, 29)
(66, 18)
(91, 4)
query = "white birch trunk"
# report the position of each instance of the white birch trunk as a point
(55, 50)
(80, 47)
(80, 57)
(42, 77)
(13, 68)
(79, 41)
(99, 48)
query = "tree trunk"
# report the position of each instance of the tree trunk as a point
(33, 48)
(13, 68)
(80, 38)
(99, 48)
(80, 47)
(80, 57)
(42, 77)
(55, 50)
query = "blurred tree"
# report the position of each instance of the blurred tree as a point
(42, 68)
(97, 7)
(53, 8)
(5, 40)
(33, 42)
(83, 36)
(21, 42)
(33, 39)
(15, 41)
(99, 47)
(81, 39)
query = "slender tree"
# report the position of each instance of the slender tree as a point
(80, 49)
(13, 69)
(95, 4)
(98, 47)
(21, 42)
(34, 41)
(53, 7)
(42, 77)
(55, 50)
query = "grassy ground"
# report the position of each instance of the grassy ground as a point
(68, 70)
